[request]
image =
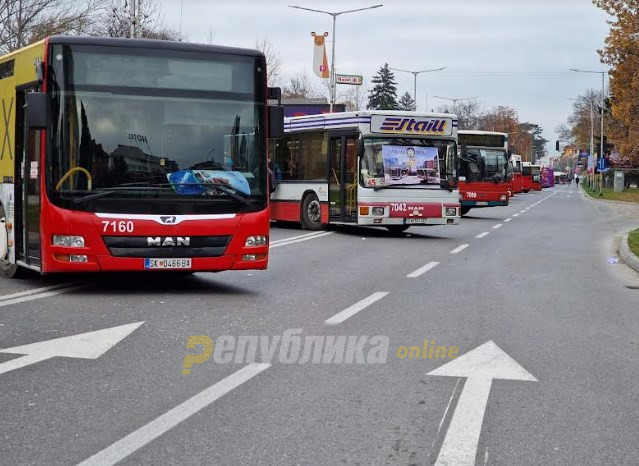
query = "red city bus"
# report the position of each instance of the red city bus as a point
(485, 172)
(536, 177)
(526, 176)
(134, 155)
(515, 161)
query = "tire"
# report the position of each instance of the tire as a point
(465, 210)
(526, 190)
(397, 229)
(311, 213)
(8, 270)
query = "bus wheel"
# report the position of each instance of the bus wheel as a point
(311, 213)
(7, 269)
(465, 210)
(396, 229)
(526, 190)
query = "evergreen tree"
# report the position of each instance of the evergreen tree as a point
(407, 103)
(383, 96)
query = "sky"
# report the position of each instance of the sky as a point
(506, 52)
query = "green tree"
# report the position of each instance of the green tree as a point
(407, 103)
(383, 95)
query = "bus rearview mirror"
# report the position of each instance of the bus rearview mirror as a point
(37, 110)
(275, 121)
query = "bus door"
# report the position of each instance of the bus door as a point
(342, 185)
(27, 184)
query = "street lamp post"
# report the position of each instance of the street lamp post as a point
(455, 100)
(415, 73)
(603, 93)
(334, 14)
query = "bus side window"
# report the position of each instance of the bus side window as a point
(286, 155)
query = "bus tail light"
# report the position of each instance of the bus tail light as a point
(68, 241)
(364, 210)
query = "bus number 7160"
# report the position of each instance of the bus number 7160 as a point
(117, 227)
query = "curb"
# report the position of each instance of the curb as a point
(626, 254)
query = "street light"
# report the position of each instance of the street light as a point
(455, 100)
(334, 14)
(415, 73)
(603, 92)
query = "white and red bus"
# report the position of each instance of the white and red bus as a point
(485, 172)
(378, 168)
(133, 155)
(515, 162)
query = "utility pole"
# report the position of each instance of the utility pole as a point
(134, 18)
(415, 73)
(454, 100)
(334, 14)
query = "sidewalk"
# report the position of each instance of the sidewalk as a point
(627, 214)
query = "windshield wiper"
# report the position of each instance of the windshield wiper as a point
(108, 191)
(217, 185)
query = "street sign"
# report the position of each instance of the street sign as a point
(352, 79)
(601, 164)
(479, 366)
(90, 345)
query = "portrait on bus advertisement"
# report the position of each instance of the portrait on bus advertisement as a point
(410, 165)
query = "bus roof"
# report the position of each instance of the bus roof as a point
(482, 133)
(353, 119)
(152, 44)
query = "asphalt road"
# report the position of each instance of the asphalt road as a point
(541, 286)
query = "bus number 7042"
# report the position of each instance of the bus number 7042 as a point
(117, 227)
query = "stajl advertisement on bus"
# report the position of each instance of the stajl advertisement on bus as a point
(378, 168)
(485, 173)
(134, 155)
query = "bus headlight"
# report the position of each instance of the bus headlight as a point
(68, 241)
(378, 211)
(259, 240)
(451, 211)
(503, 197)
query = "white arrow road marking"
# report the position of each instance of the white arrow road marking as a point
(149, 432)
(90, 345)
(480, 366)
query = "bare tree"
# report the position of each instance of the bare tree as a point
(273, 60)
(23, 22)
(355, 98)
(469, 113)
(115, 21)
(299, 86)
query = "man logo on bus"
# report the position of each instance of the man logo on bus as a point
(411, 152)
(168, 220)
(411, 125)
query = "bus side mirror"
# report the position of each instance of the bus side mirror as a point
(275, 121)
(37, 110)
(464, 149)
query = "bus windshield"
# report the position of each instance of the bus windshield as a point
(175, 132)
(485, 164)
(408, 162)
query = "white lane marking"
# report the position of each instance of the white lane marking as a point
(422, 270)
(154, 429)
(47, 294)
(499, 225)
(507, 220)
(307, 238)
(480, 366)
(89, 345)
(459, 248)
(315, 233)
(482, 235)
(355, 308)
(515, 215)
(34, 291)
(522, 211)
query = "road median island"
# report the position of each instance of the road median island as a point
(629, 249)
